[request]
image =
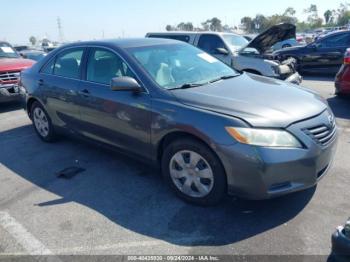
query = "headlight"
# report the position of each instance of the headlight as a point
(263, 137)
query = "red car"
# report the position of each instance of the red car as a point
(11, 64)
(342, 80)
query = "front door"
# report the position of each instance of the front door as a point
(118, 118)
(210, 43)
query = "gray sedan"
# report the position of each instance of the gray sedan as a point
(212, 130)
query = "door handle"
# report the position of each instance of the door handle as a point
(40, 82)
(84, 92)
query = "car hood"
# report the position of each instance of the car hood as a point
(260, 101)
(271, 36)
(15, 64)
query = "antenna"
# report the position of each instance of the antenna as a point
(60, 30)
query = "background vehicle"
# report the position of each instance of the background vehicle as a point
(168, 102)
(286, 43)
(235, 51)
(322, 56)
(342, 79)
(11, 64)
(35, 55)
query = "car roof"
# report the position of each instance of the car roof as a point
(190, 33)
(126, 43)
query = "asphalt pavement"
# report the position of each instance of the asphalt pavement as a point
(121, 206)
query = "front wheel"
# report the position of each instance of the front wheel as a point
(194, 172)
(42, 123)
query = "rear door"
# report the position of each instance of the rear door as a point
(59, 81)
(210, 43)
(118, 118)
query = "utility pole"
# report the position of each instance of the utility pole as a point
(60, 30)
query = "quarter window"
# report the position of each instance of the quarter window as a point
(103, 65)
(68, 64)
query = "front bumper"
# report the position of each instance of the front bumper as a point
(262, 172)
(9, 93)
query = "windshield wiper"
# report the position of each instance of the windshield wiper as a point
(187, 85)
(223, 78)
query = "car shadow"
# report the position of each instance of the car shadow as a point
(340, 106)
(10, 106)
(134, 196)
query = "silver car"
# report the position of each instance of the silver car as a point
(235, 50)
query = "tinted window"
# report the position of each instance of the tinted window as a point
(334, 41)
(183, 38)
(209, 43)
(103, 65)
(68, 63)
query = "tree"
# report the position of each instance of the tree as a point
(185, 26)
(343, 14)
(32, 40)
(260, 23)
(328, 16)
(213, 24)
(247, 23)
(290, 11)
(169, 28)
(313, 19)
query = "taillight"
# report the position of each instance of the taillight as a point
(347, 60)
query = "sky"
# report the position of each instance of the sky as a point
(96, 19)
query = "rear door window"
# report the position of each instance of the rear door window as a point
(68, 63)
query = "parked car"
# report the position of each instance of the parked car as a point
(35, 55)
(285, 44)
(235, 51)
(342, 79)
(11, 64)
(212, 129)
(322, 56)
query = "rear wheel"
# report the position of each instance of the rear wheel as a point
(194, 172)
(42, 123)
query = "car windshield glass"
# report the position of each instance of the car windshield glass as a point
(235, 41)
(6, 51)
(176, 65)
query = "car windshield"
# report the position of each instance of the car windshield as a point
(235, 42)
(6, 51)
(176, 65)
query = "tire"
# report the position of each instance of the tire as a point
(42, 123)
(202, 182)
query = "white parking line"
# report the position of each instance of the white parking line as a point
(32, 245)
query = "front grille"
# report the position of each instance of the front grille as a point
(322, 134)
(9, 77)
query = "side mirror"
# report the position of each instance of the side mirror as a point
(221, 51)
(125, 83)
